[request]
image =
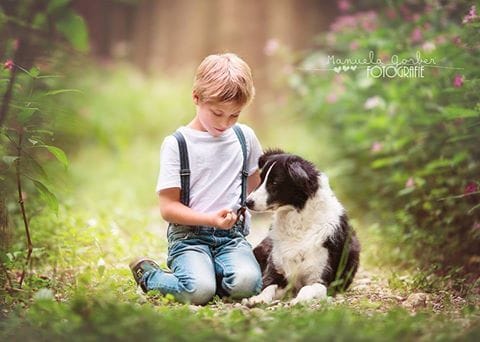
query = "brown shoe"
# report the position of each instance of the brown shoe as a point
(139, 267)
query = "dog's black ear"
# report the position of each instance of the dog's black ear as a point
(266, 155)
(298, 173)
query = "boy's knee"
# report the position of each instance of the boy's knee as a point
(198, 293)
(244, 283)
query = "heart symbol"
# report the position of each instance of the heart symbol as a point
(345, 67)
(337, 69)
(353, 67)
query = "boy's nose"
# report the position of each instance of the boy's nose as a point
(227, 123)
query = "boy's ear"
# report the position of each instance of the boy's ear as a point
(266, 155)
(195, 98)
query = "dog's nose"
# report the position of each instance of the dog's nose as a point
(250, 204)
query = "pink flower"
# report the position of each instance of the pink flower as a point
(376, 147)
(373, 102)
(369, 21)
(366, 20)
(428, 46)
(391, 14)
(335, 92)
(410, 183)
(476, 225)
(343, 23)
(369, 25)
(416, 35)
(343, 5)
(440, 39)
(338, 80)
(458, 81)
(8, 64)
(271, 47)
(470, 188)
(332, 97)
(354, 45)
(384, 56)
(471, 16)
(427, 26)
(457, 40)
(331, 38)
(473, 11)
(407, 14)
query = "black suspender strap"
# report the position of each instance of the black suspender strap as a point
(184, 169)
(243, 196)
(185, 172)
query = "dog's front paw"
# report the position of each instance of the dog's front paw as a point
(294, 301)
(265, 297)
(255, 300)
(310, 292)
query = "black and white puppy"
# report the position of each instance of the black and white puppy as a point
(310, 245)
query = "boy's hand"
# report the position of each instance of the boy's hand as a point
(224, 219)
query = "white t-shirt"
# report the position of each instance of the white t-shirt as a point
(215, 167)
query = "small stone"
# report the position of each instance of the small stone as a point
(360, 287)
(364, 281)
(258, 330)
(44, 294)
(416, 301)
(141, 300)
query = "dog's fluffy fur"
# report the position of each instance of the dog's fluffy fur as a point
(310, 245)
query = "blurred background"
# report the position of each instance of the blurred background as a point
(90, 89)
(165, 37)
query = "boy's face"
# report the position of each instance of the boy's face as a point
(216, 118)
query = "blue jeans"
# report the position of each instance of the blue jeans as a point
(206, 261)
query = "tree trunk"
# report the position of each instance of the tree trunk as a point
(4, 228)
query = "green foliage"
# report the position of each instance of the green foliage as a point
(407, 147)
(117, 108)
(104, 318)
(28, 111)
(27, 142)
(72, 26)
(103, 221)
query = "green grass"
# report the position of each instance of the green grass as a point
(87, 318)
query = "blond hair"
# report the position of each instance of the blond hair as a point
(224, 78)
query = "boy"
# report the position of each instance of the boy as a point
(202, 186)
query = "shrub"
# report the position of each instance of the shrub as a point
(408, 147)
